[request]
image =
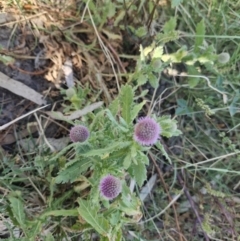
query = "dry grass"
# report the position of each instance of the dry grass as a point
(196, 196)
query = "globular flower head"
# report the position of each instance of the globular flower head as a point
(79, 133)
(146, 131)
(110, 187)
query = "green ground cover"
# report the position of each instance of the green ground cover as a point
(175, 61)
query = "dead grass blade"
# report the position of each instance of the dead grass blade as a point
(3, 127)
(76, 114)
(20, 89)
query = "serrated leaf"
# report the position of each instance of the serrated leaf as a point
(143, 157)
(175, 57)
(62, 152)
(139, 172)
(141, 31)
(129, 203)
(200, 30)
(109, 149)
(161, 148)
(73, 171)
(179, 55)
(126, 101)
(136, 109)
(148, 49)
(17, 209)
(157, 52)
(168, 126)
(127, 161)
(114, 106)
(133, 153)
(123, 122)
(170, 25)
(34, 230)
(89, 213)
(113, 120)
(167, 37)
(142, 79)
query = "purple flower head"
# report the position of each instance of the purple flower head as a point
(79, 133)
(110, 187)
(146, 131)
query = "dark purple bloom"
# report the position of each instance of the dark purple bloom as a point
(146, 131)
(79, 133)
(110, 187)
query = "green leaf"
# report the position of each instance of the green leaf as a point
(109, 149)
(179, 55)
(170, 25)
(111, 9)
(136, 109)
(139, 172)
(143, 157)
(17, 209)
(60, 213)
(153, 80)
(233, 107)
(73, 170)
(129, 203)
(200, 30)
(114, 121)
(168, 126)
(147, 50)
(183, 108)
(175, 3)
(167, 37)
(6, 59)
(127, 161)
(126, 101)
(49, 237)
(142, 79)
(114, 106)
(192, 81)
(157, 52)
(118, 235)
(34, 230)
(161, 148)
(141, 31)
(80, 227)
(89, 213)
(62, 152)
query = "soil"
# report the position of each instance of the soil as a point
(11, 105)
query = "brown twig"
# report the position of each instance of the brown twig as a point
(39, 72)
(228, 216)
(169, 196)
(114, 53)
(189, 197)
